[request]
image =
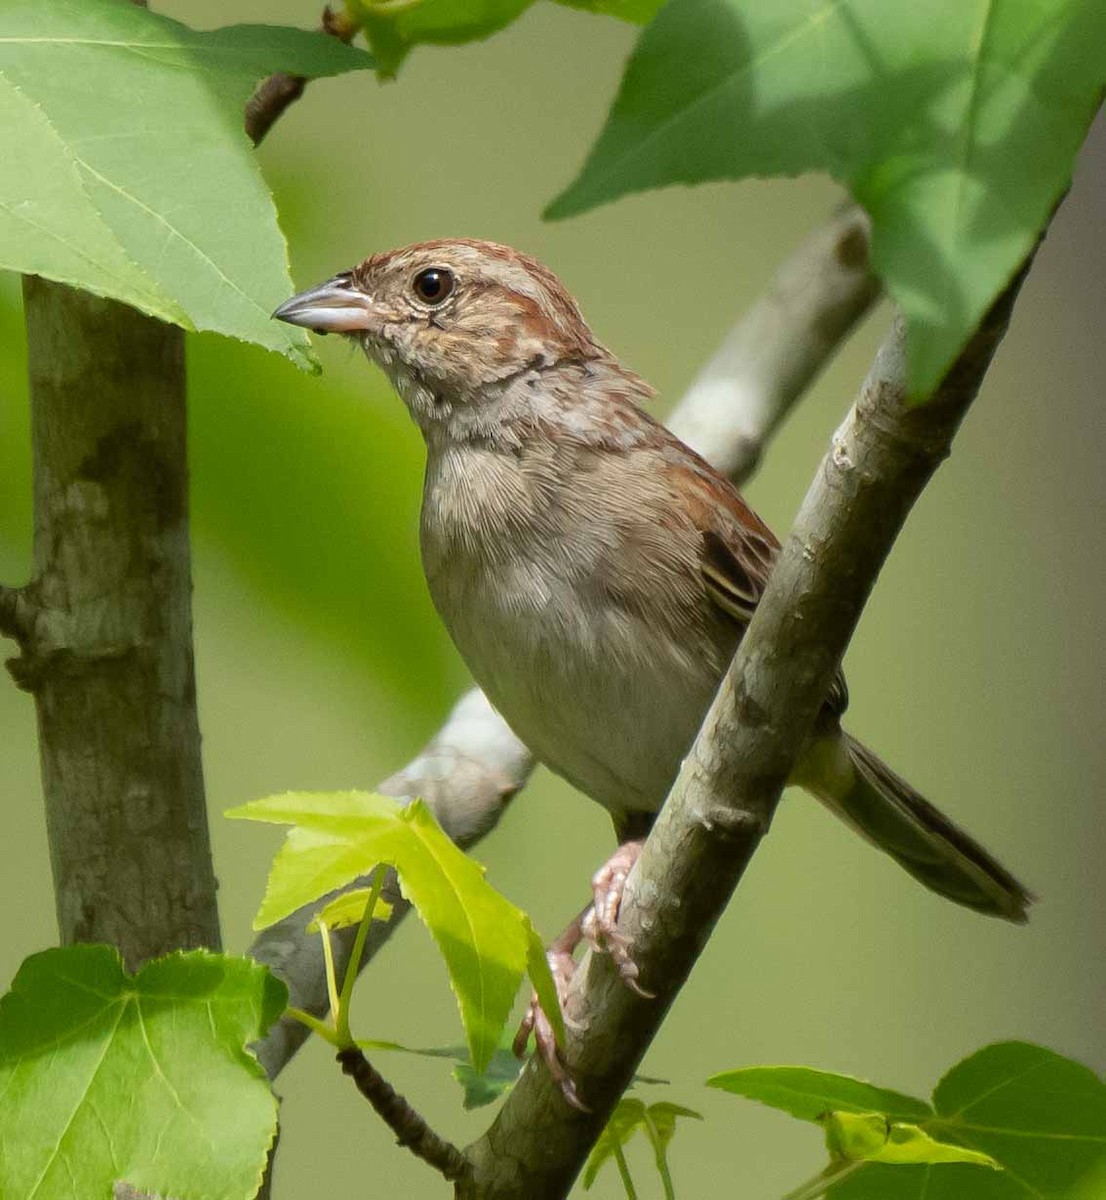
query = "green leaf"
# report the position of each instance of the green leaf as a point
(348, 909)
(478, 1088)
(126, 168)
(1042, 1116)
(143, 1079)
(394, 29)
(870, 1137)
(956, 128)
(627, 1118)
(657, 1121)
(807, 1094)
(1038, 1116)
(639, 12)
(487, 942)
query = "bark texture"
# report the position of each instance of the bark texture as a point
(105, 627)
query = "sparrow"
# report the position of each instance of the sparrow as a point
(594, 572)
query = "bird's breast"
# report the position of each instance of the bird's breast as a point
(533, 592)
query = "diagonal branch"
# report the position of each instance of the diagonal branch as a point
(474, 765)
(726, 794)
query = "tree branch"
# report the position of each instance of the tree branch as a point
(779, 346)
(726, 794)
(475, 764)
(280, 91)
(410, 1127)
(16, 613)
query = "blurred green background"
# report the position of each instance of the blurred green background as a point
(978, 670)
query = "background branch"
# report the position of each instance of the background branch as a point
(475, 764)
(727, 791)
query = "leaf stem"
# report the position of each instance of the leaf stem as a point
(825, 1179)
(313, 1023)
(328, 961)
(341, 1009)
(624, 1171)
(660, 1156)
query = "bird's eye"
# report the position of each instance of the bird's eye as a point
(433, 285)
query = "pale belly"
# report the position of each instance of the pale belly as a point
(601, 703)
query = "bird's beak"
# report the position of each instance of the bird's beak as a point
(336, 306)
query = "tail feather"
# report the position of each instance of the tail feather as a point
(887, 811)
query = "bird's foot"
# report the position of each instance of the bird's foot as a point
(599, 925)
(562, 966)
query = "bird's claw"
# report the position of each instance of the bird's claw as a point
(599, 926)
(562, 966)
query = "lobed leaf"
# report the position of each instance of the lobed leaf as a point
(955, 127)
(1038, 1116)
(487, 942)
(144, 1079)
(127, 169)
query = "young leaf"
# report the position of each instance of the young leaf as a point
(657, 1121)
(627, 1118)
(126, 168)
(348, 909)
(807, 1094)
(487, 943)
(870, 1137)
(394, 30)
(931, 121)
(142, 1079)
(478, 1088)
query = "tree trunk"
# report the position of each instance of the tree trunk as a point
(105, 627)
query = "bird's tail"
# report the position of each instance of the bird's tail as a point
(864, 792)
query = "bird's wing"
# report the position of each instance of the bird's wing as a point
(737, 552)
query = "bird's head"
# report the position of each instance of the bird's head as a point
(451, 322)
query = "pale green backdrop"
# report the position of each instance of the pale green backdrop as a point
(978, 669)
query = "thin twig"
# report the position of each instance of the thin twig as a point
(281, 90)
(410, 1127)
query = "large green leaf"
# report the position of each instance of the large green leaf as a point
(105, 1077)
(1037, 1115)
(955, 124)
(487, 943)
(1041, 1115)
(127, 171)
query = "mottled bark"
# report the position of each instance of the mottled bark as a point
(105, 627)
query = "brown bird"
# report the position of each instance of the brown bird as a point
(594, 572)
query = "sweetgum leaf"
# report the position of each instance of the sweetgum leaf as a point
(487, 942)
(956, 126)
(144, 1079)
(127, 171)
